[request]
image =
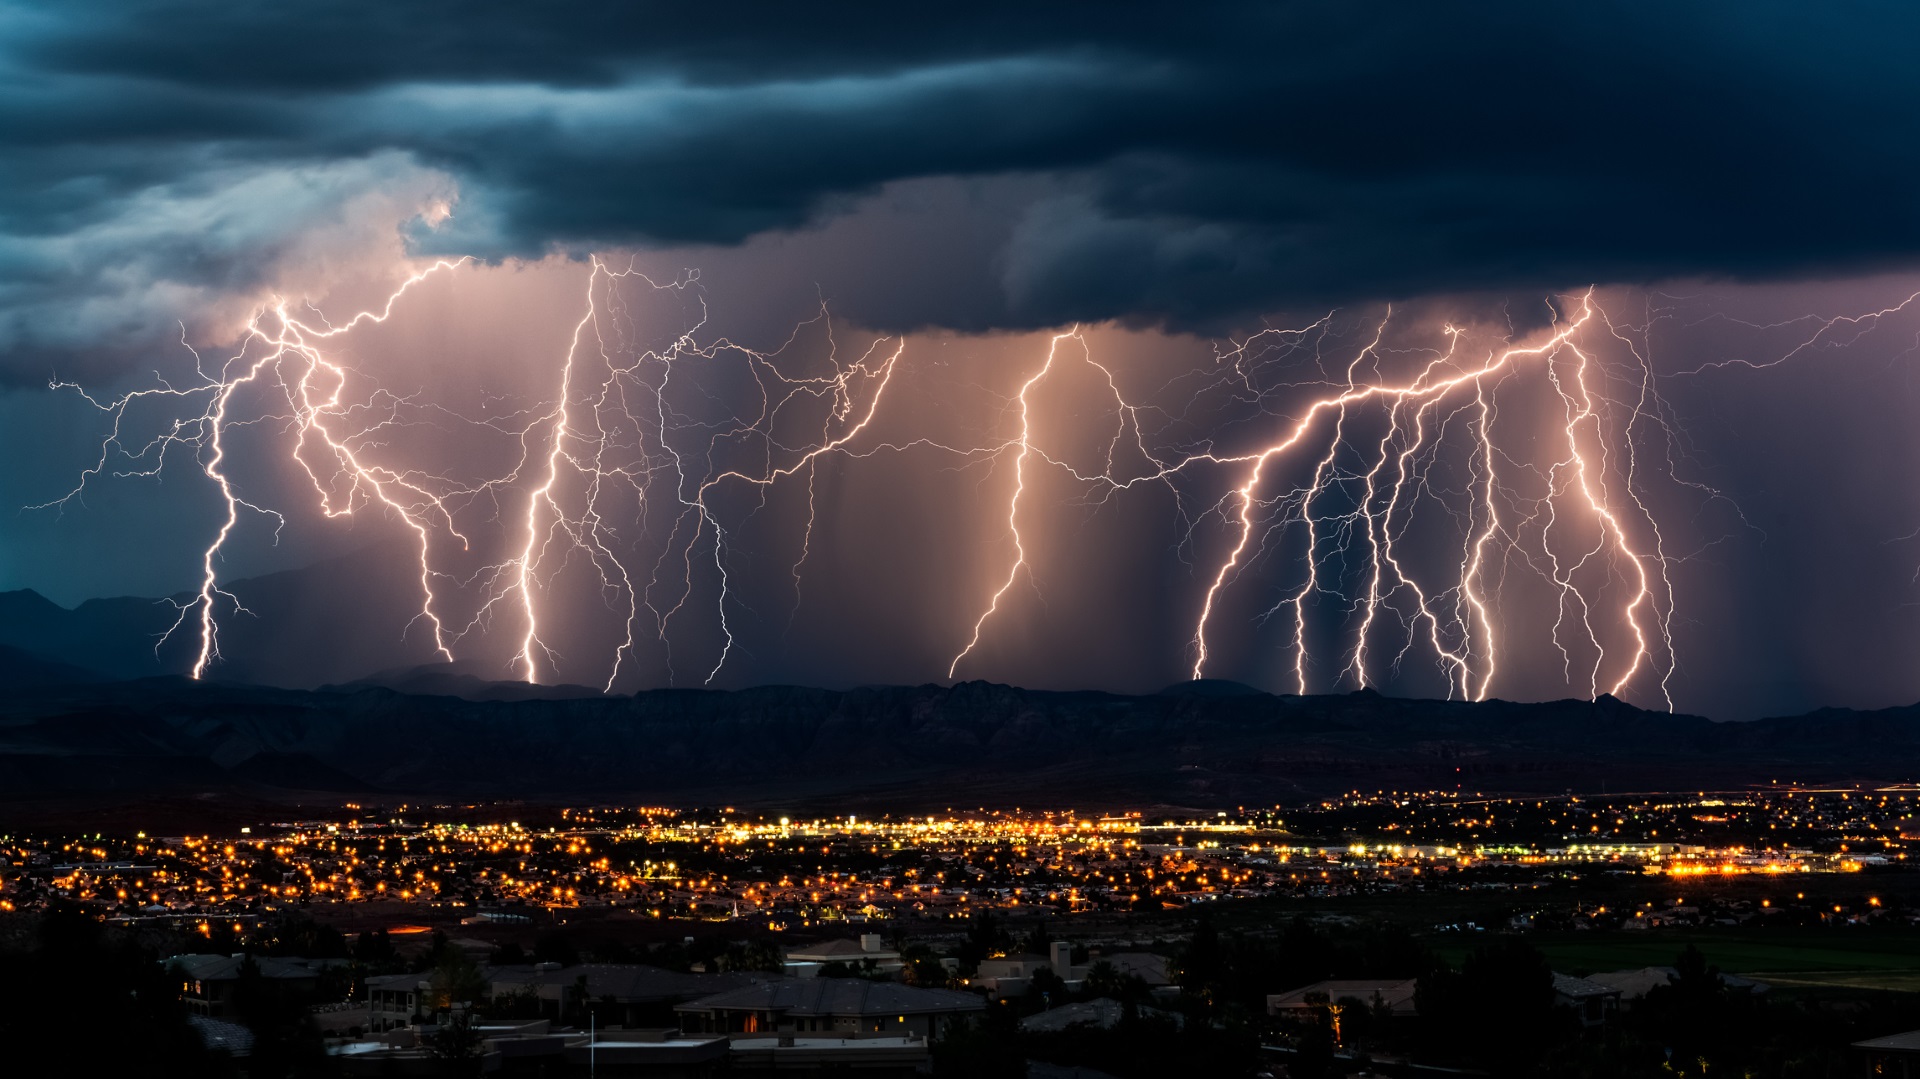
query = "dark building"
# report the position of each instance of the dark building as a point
(620, 994)
(1896, 1056)
(207, 982)
(846, 1007)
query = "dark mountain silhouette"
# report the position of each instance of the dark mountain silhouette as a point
(71, 735)
(114, 637)
(467, 682)
(24, 670)
(329, 622)
(908, 747)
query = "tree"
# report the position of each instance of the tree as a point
(71, 979)
(926, 971)
(285, 1040)
(1307, 955)
(573, 1006)
(1313, 1053)
(302, 936)
(457, 1044)
(757, 955)
(1038, 941)
(456, 980)
(522, 1003)
(556, 948)
(984, 937)
(1202, 964)
(374, 948)
(1703, 1023)
(1105, 980)
(987, 1048)
(1496, 1011)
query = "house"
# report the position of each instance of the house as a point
(1592, 1003)
(1146, 966)
(806, 962)
(1102, 1013)
(400, 1053)
(1895, 1056)
(1009, 975)
(396, 1000)
(1393, 994)
(799, 1054)
(523, 1045)
(627, 994)
(848, 1007)
(207, 982)
(664, 1053)
(1634, 984)
(1022, 965)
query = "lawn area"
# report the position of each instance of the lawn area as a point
(1896, 981)
(1827, 957)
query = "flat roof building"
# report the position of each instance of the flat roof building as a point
(848, 1007)
(1394, 994)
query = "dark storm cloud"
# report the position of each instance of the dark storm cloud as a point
(1190, 165)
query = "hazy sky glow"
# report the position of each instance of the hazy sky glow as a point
(1688, 485)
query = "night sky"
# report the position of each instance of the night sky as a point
(791, 346)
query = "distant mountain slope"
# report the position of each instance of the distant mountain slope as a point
(328, 622)
(907, 747)
(112, 636)
(457, 680)
(21, 669)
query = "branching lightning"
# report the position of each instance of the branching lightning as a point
(1404, 501)
(1358, 501)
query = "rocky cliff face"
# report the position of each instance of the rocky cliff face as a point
(911, 747)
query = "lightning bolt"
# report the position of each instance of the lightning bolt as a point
(1371, 493)
(283, 352)
(1410, 406)
(1293, 454)
(1025, 443)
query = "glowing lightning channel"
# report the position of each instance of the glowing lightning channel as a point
(543, 495)
(593, 459)
(1425, 391)
(1025, 442)
(292, 343)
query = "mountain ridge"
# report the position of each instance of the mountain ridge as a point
(919, 747)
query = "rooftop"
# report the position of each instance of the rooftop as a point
(220, 968)
(1908, 1042)
(1395, 993)
(1580, 988)
(837, 997)
(840, 950)
(622, 982)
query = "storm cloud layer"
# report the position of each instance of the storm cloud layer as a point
(1188, 168)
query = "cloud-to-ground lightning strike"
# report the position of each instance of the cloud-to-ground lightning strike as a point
(1013, 502)
(542, 498)
(283, 350)
(1378, 501)
(1375, 499)
(1409, 406)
